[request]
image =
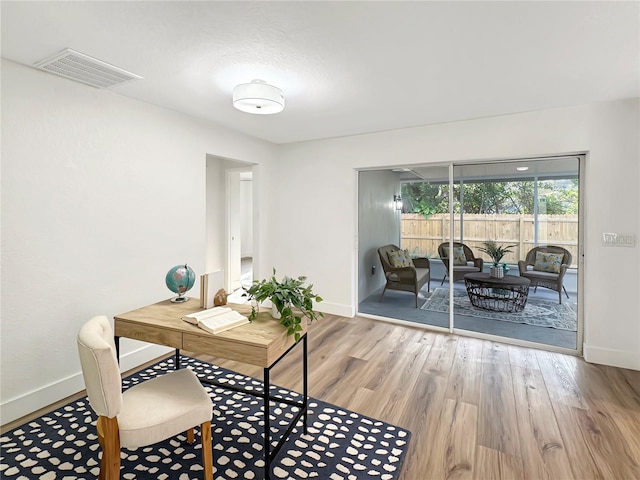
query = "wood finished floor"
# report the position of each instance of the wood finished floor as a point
(477, 409)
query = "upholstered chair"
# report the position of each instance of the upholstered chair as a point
(464, 261)
(410, 275)
(147, 413)
(546, 267)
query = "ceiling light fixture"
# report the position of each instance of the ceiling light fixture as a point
(522, 169)
(258, 98)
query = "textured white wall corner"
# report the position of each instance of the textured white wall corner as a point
(41, 397)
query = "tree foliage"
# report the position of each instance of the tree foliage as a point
(555, 197)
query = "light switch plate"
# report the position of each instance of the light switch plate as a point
(618, 240)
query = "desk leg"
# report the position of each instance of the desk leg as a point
(267, 427)
(177, 363)
(305, 383)
(116, 340)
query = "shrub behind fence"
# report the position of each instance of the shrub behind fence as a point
(422, 235)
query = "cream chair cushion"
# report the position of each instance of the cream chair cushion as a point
(162, 407)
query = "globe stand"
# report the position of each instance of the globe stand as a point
(180, 280)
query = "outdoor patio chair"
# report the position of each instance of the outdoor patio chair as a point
(545, 267)
(464, 261)
(409, 278)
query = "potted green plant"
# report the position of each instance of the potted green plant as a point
(290, 299)
(496, 252)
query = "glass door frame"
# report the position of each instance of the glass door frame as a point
(581, 158)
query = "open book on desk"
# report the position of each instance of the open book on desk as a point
(217, 319)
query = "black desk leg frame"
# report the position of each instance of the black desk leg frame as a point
(269, 454)
(116, 341)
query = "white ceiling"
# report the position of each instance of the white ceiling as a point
(345, 67)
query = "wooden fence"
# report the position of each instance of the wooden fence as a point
(422, 235)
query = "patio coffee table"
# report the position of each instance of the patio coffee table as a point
(506, 294)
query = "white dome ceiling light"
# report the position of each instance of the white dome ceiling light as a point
(258, 98)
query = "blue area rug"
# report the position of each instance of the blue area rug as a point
(540, 313)
(340, 444)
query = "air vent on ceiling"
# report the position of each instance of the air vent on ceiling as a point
(83, 68)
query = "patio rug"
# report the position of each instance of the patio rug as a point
(540, 313)
(339, 444)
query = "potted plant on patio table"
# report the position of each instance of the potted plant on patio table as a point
(290, 299)
(496, 252)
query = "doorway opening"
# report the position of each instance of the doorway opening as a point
(239, 236)
(230, 213)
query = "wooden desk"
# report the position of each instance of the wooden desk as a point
(262, 343)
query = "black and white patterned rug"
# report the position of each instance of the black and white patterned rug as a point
(339, 444)
(540, 313)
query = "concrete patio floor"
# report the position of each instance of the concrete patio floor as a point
(401, 306)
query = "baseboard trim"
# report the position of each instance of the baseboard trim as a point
(336, 309)
(25, 404)
(611, 357)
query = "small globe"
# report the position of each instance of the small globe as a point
(180, 279)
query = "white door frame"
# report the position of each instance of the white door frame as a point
(232, 228)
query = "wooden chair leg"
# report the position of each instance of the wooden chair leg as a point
(110, 464)
(190, 436)
(103, 463)
(103, 469)
(207, 451)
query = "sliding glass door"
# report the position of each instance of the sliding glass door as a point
(501, 240)
(517, 224)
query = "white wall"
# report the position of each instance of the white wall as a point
(101, 195)
(607, 131)
(379, 224)
(313, 223)
(215, 225)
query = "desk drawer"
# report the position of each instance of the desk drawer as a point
(149, 334)
(217, 347)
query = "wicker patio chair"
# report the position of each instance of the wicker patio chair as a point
(539, 278)
(408, 279)
(472, 263)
